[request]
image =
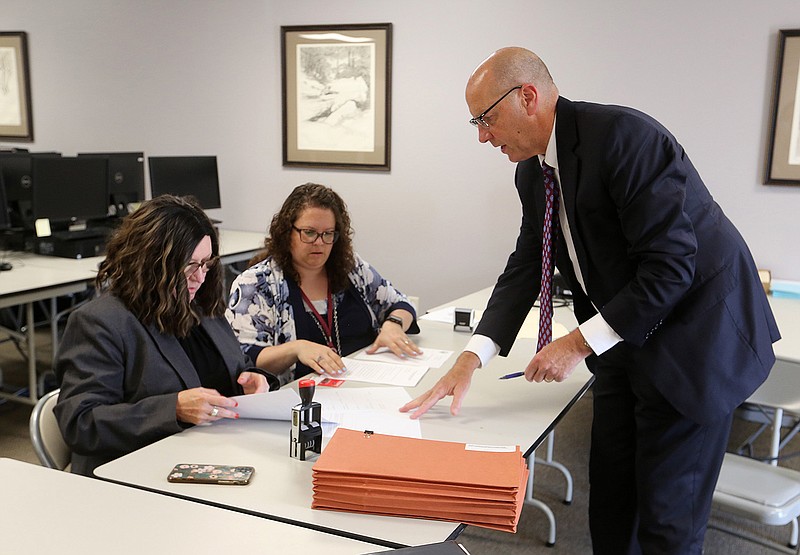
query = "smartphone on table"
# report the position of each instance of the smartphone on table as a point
(211, 474)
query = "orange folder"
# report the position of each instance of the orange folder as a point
(400, 476)
(420, 488)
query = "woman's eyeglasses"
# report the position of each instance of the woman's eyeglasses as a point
(310, 235)
(206, 265)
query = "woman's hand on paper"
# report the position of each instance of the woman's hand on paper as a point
(395, 339)
(320, 358)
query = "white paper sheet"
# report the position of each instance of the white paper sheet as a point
(367, 408)
(381, 422)
(336, 403)
(432, 358)
(404, 375)
(273, 405)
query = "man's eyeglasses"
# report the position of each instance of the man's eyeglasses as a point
(206, 265)
(310, 235)
(478, 120)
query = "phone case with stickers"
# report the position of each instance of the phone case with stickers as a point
(211, 474)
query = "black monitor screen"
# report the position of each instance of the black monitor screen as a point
(5, 220)
(125, 175)
(16, 170)
(69, 189)
(186, 175)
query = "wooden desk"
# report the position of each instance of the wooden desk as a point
(495, 412)
(49, 511)
(40, 278)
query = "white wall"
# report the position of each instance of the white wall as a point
(203, 77)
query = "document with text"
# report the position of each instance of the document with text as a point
(432, 358)
(352, 408)
(404, 375)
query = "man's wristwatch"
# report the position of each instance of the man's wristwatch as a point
(396, 319)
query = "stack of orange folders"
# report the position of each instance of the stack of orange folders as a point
(380, 474)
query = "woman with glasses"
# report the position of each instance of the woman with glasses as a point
(308, 299)
(152, 354)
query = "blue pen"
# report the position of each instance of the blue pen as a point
(512, 375)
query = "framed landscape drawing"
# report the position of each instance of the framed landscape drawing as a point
(783, 154)
(337, 96)
(15, 88)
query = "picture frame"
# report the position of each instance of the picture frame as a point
(783, 150)
(16, 122)
(336, 93)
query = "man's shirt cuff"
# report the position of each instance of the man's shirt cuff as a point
(484, 347)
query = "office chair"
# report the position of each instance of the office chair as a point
(47, 441)
(760, 492)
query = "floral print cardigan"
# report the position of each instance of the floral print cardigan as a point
(261, 315)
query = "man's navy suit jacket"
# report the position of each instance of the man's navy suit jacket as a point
(661, 261)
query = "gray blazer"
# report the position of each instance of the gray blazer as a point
(120, 381)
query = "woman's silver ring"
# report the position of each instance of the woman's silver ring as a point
(319, 358)
(214, 411)
(548, 379)
(405, 341)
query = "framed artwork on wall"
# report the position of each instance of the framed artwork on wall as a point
(337, 96)
(15, 88)
(783, 150)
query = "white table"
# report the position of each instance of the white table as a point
(40, 278)
(787, 313)
(239, 246)
(48, 511)
(781, 391)
(507, 412)
(26, 284)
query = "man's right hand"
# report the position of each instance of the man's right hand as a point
(456, 383)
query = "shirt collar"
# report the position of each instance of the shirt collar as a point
(551, 154)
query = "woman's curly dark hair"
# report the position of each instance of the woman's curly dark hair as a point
(279, 241)
(145, 262)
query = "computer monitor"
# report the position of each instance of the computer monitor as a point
(125, 178)
(186, 175)
(67, 190)
(5, 217)
(16, 170)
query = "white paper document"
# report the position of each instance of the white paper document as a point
(404, 375)
(272, 405)
(381, 422)
(337, 402)
(354, 407)
(367, 408)
(432, 358)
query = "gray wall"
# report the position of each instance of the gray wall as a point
(203, 77)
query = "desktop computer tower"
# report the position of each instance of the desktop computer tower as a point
(83, 247)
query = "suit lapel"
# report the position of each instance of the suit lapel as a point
(229, 350)
(173, 353)
(568, 168)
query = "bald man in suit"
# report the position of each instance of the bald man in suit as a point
(674, 322)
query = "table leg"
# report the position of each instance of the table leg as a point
(776, 437)
(31, 332)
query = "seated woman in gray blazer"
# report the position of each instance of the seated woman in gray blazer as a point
(152, 354)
